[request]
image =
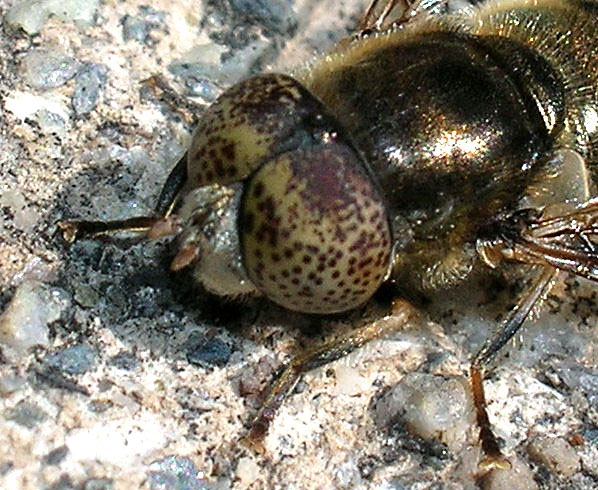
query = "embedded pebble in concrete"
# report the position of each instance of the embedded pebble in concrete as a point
(88, 83)
(74, 360)
(56, 456)
(139, 27)
(25, 216)
(556, 454)
(45, 69)
(203, 62)
(519, 476)
(432, 407)
(275, 16)
(24, 323)
(211, 352)
(25, 414)
(98, 484)
(577, 376)
(51, 123)
(124, 360)
(248, 472)
(175, 473)
(11, 383)
(31, 15)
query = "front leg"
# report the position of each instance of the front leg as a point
(160, 224)
(398, 318)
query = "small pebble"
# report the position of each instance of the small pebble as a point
(432, 407)
(51, 123)
(88, 83)
(45, 69)
(63, 483)
(25, 414)
(518, 477)
(277, 17)
(139, 27)
(85, 295)
(31, 15)
(98, 484)
(56, 456)
(124, 360)
(175, 473)
(247, 472)
(555, 453)
(5, 467)
(74, 360)
(211, 352)
(24, 323)
(10, 383)
(25, 217)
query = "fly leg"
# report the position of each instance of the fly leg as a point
(385, 14)
(160, 224)
(318, 356)
(493, 457)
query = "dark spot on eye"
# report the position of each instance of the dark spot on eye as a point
(258, 189)
(364, 262)
(219, 167)
(228, 151)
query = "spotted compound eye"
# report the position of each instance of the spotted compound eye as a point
(314, 231)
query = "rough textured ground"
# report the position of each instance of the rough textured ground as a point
(115, 375)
